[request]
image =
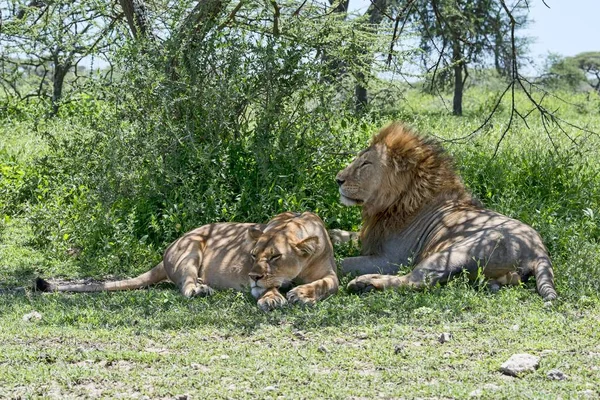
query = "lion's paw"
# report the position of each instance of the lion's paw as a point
(366, 283)
(199, 290)
(271, 300)
(304, 295)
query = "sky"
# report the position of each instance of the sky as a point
(567, 27)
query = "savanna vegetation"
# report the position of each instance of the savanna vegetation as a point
(126, 124)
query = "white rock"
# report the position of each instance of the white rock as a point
(445, 337)
(520, 363)
(34, 315)
(491, 387)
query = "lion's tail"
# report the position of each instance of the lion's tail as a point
(155, 275)
(544, 277)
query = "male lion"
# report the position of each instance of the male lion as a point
(290, 248)
(416, 208)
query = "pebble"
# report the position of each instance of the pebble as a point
(556, 375)
(445, 337)
(323, 349)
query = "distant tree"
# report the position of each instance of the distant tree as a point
(50, 38)
(456, 35)
(562, 72)
(589, 63)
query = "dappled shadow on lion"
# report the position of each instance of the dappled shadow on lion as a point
(415, 208)
(291, 248)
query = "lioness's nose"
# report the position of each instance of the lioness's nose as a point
(339, 181)
(255, 276)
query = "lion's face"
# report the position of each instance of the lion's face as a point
(360, 180)
(277, 258)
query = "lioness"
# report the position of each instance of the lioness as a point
(290, 248)
(415, 208)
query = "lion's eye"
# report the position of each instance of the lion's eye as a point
(275, 257)
(365, 163)
(253, 256)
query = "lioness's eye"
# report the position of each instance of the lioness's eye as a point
(253, 256)
(365, 163)
(275, 257)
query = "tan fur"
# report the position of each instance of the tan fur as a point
(291, 248)
(415, 208)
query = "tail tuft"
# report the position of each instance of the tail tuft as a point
(43, 285)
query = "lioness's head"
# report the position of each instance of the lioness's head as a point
(397, 164)
(278, 255)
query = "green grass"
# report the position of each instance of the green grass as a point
(382, 345)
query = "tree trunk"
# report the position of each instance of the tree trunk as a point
(376, 13)
(334, 67)
(135, 13)
(58, 79)
(458, 78)
(360, 91)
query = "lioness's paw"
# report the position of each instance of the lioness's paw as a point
(271, 300)
(302, 294)
(366, 283)
(199, 290)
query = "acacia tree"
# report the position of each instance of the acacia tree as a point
(42, 41)
(583, 68)
(460, 34)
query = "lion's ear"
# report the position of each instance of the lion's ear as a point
(307, 246)
(254, 233)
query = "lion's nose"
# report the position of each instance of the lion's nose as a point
(255, 276)
(339, 181)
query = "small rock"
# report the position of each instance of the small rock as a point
(588, 393)
(494, 288)
(362, 336)
(323, 349)
(339, 341)
(224, 357)
(200, 367)
(520, 363)
(491, 387)
(448, 354)
(34, 315)
(556, 375)
(515, 327)
(300, 335)
(545, 353)
(399, 348)
(270, 389)
(445, 337)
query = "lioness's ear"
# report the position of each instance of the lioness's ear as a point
(254, 233)
(307, 246)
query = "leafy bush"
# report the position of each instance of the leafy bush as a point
(240, 128)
